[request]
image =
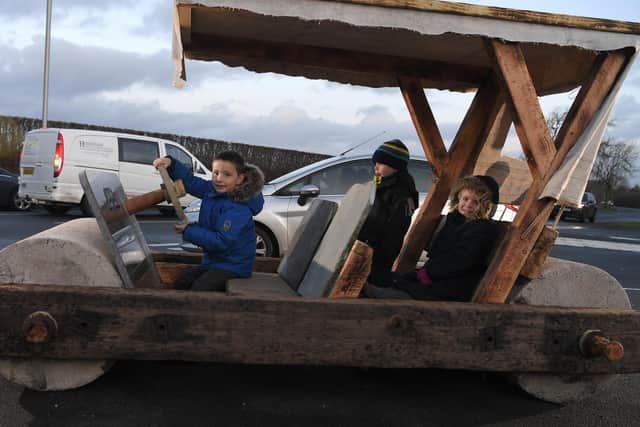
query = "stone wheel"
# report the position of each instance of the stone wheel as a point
(73, 254)
(568, 284)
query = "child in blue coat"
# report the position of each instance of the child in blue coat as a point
(225, 230)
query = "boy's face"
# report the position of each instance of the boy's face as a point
(225, 176)
(468, 203)
(382, 170)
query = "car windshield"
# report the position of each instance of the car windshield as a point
(303, 170)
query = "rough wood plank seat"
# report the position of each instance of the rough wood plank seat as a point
(294, 264)
(337, 241)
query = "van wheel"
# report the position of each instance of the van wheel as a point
(57, 209)
(19, 203)
(266, 245)
(85, 207)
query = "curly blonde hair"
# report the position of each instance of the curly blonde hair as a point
(480, 189)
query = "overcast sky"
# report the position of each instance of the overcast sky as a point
(111, 65)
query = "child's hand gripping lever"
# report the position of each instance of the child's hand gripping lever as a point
(169, 191)
(173, 191)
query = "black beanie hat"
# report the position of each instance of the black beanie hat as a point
(393, 153)
(493, 187)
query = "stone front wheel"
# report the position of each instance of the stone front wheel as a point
(74, 254)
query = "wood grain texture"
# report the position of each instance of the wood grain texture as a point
(533, 213)
(514, 15)
(389, 67)
(165, 324)
(425, 124)
(527, 115)
(463, 154)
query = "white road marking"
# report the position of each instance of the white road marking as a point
(19, 213)
(624, 238)
(631, 289)
(164, 244)
(597, 244)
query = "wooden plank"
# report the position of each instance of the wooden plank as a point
(533, 213)
(529, 121)
(354, 272)
(262, 264)
(514, 15)
(103, 323)
(184, 16)
(534, 264)
(425, 124)
(387, 67)
(512, 175)
(462, 156)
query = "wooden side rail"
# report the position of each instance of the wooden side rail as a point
(104, 323)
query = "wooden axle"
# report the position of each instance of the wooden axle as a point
(593, 344)
(104, 323)
(39, 327)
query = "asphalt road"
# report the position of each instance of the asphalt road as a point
(136, 393)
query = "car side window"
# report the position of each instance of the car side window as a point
(137, 151)
(422, 175)
(179, 154)
(334, 180)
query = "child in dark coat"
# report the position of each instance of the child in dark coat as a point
(396, 199)
(458, 255)
(225, 229)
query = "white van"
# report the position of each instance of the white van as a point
(51, 160)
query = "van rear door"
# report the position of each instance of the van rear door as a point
(36, 165)
(137, 174)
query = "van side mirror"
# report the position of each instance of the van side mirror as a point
(308, 192)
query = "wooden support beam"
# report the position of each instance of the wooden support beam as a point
(386, 68)
(104, 323)
(531, 126)
(533, 213)
(462, 156)
(184, 14)
(512, 175)
(425, 124)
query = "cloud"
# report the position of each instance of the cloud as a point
(626, 117)
(38, 8)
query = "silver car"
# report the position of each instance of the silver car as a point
(287, 198)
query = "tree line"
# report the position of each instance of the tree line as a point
(615, 164)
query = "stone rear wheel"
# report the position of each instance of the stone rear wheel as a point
(568, 284)
(72, 254)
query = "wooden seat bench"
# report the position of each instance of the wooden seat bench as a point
(318, 252)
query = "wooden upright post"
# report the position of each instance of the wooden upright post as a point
(462, 156)
(531, 218)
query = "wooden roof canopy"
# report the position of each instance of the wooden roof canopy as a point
(372, 42)
(508, 57)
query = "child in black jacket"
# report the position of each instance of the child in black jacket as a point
(396, 199)
(458, 255)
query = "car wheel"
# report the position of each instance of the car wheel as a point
(57, 209)
(20, 203)
(266, 246)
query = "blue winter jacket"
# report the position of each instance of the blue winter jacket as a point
(225, 229)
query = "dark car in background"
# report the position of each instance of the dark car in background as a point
(9, 192)
(585, 211)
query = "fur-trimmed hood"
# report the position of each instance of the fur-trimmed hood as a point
(251, 187)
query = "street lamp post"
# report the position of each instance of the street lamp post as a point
(45, 85)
